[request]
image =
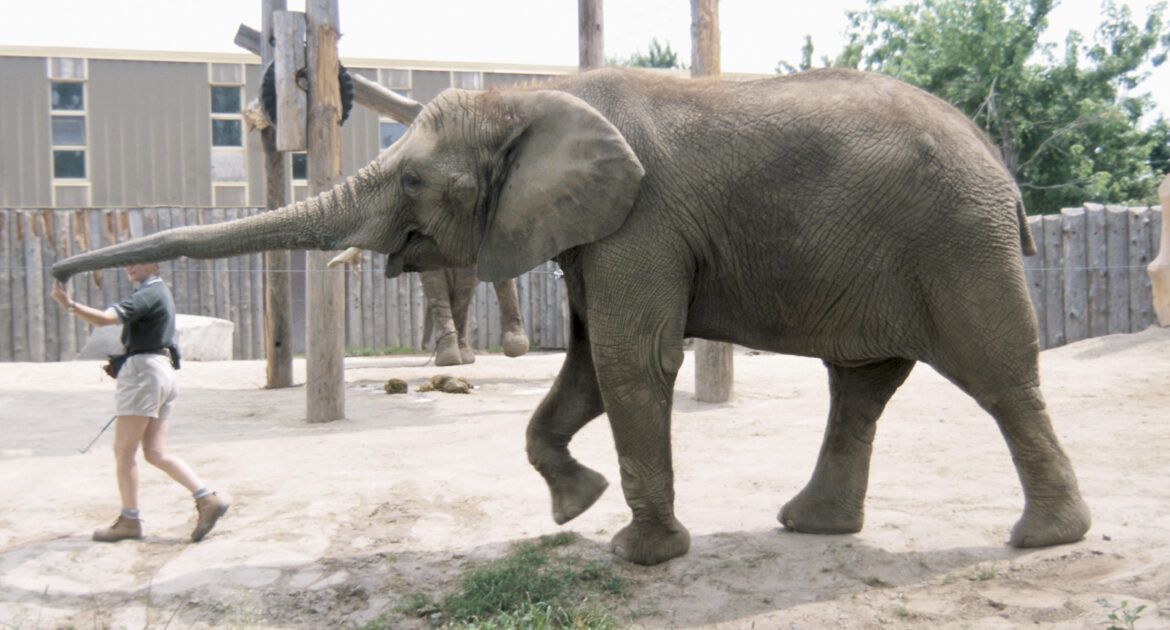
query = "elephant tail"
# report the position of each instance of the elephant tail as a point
(1027, 243)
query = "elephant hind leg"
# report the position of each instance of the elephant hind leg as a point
(1054, 512)
(833, 500)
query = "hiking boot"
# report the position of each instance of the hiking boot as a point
(210, 508)
(123, 528)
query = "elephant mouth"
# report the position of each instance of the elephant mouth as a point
(418, 253)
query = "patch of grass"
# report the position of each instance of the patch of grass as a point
(1121, 614)
(378, 352)
(537, 585)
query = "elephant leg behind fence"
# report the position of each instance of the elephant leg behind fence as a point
(512, 334)
(437, 291)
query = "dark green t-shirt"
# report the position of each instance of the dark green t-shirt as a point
(148, 317)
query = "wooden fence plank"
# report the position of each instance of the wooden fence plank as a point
(379, 312)
(392, 331)
(477, 318)
(1053, 282)
(366, 295)
(418, 303)
(402, 301)
(1117, 257)
(34, 285)
(1076, 277)
(1141, 305)
(62, 249)
(258, 347)
(1098, 273)
(20, 339)
(1034, 273)
(236, 265)
(9, 264)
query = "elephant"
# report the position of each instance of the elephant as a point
(448, 293)
(833, 213)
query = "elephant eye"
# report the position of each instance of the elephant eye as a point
(411, 182)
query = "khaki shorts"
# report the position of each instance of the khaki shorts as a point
(146, 387)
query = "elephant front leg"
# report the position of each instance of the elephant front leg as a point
(463, 282)
(833, 501)
(437, 292)
(572, 402)
(511, 324)
(637, 368)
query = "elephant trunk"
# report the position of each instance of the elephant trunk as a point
(332, 220)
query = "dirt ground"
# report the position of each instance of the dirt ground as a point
(332, 524)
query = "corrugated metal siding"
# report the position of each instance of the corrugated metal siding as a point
(426, 84)
(252, 141)
(500, 79)
(150, 133)
(25, 156)
(359, 136)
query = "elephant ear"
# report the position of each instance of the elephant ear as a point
(569, 178)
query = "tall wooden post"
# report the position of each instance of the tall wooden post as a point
(278, 345)
(705, 38)
(590, 31)
(714, 361)
(325, 288)
(1159, 268)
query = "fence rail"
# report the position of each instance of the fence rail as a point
(1088, 279)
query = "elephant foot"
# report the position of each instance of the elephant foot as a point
(651, 544)
(1051, 522)
(447, 351)
(812, 516)
(515, 343)
(574, 492)
(466, 354)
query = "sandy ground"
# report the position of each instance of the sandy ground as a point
(332, 524)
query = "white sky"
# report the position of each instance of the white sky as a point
(755, 33)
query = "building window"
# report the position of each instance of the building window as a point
(225, 99)
(300, 166)
(227, 120)
(389, 132)
(68, 164)
(229, 161)
(67, 131)
(227, 133)
(68, 95)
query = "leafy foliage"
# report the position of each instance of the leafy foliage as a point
(1068, 126)
(660, 56)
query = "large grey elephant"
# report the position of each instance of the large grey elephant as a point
(831, 214)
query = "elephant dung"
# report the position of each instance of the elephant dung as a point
(447, 384)
(396, 386)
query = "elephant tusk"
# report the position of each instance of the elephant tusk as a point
(348, 257)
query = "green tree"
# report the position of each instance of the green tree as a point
(660, 56)
(1068, 125)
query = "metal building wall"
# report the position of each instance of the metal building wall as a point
(26, 171)
(150, 133)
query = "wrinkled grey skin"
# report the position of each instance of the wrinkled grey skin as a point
(830, 214)
(448, 293)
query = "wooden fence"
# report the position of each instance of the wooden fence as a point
(381, 312)
(1089, 275)
(1088, 279)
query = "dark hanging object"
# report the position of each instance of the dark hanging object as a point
(268, 92)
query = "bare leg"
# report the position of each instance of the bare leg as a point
(128, 432)
(154, 450)
(833, 500)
